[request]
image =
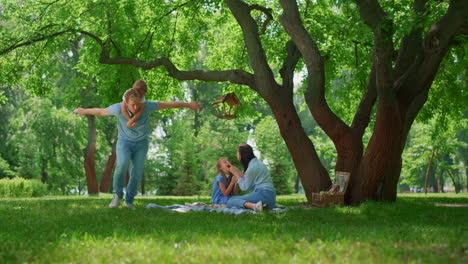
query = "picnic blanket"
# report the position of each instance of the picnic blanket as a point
(202, 207)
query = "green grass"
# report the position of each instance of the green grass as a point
(84, 230)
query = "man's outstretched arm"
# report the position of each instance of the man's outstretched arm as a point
(165, 105)
(92, 111)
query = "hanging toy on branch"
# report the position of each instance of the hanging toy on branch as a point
(227, 106)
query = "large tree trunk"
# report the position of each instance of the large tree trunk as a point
(379, 170)
(107, 174)
(89, 153)
(314, 176)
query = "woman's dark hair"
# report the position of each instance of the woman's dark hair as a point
(246, 155)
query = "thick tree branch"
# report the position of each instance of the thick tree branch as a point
(263, 74)
(333, 126)
(435, 45)
(362, 116)
(289, 65)
(381, 25)
(463, 30)
(290, 19)
(234, 76)
(412, 43)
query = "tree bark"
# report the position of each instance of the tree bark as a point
(439, 185)
(44, 175)
(314, 176)
(379, 169)
(89, 153)
(107, 173)
(428, 170)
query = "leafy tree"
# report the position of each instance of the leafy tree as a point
(394, 60)
(5, 170)
(432, 152)
(275, 154)
(47, 141)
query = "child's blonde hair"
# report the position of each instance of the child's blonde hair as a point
(140, 84)
(218, 167)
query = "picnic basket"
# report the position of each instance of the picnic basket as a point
(335, 195)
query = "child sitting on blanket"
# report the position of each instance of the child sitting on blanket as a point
(224, 186)
(142, 88)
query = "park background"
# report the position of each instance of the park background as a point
(43, 81)
(56, 56)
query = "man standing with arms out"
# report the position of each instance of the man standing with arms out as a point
(132, 143)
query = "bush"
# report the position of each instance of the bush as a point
(19, 187)
(5, 170)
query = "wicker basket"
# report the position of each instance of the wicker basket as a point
(336, 193)
(325, 199)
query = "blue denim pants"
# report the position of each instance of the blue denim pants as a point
(266, 196)
(134, 154)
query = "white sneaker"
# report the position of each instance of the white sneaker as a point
(130, 206)
(115, 203)
(258, 206)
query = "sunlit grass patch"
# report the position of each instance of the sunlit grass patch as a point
(85, 230)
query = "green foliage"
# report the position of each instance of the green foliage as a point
(19, 187)
(448, 97)
(184, 163)
(78, 230)
(5, 170)
(194, 35)
(275, 154)
(440, 137)
(325, 149)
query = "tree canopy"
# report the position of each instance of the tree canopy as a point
(368, 66)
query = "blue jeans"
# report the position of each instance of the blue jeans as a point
(133, 153)
(266, 196)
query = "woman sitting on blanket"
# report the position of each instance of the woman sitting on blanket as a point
(255, 178)
(225, 185)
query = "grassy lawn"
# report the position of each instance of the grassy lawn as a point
(84, 230)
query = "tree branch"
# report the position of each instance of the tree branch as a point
(258, 60)
(289, 65)
(290, 19)
(463, 30)
(411, 44)
(236, 76)
(47, 7)
(149, 33)
(382, 27)
(362, 116)
(436, 43)
(267, 12)
(333, 126)
(31, 41)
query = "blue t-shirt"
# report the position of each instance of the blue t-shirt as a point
(217, 196)
(138, 132)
